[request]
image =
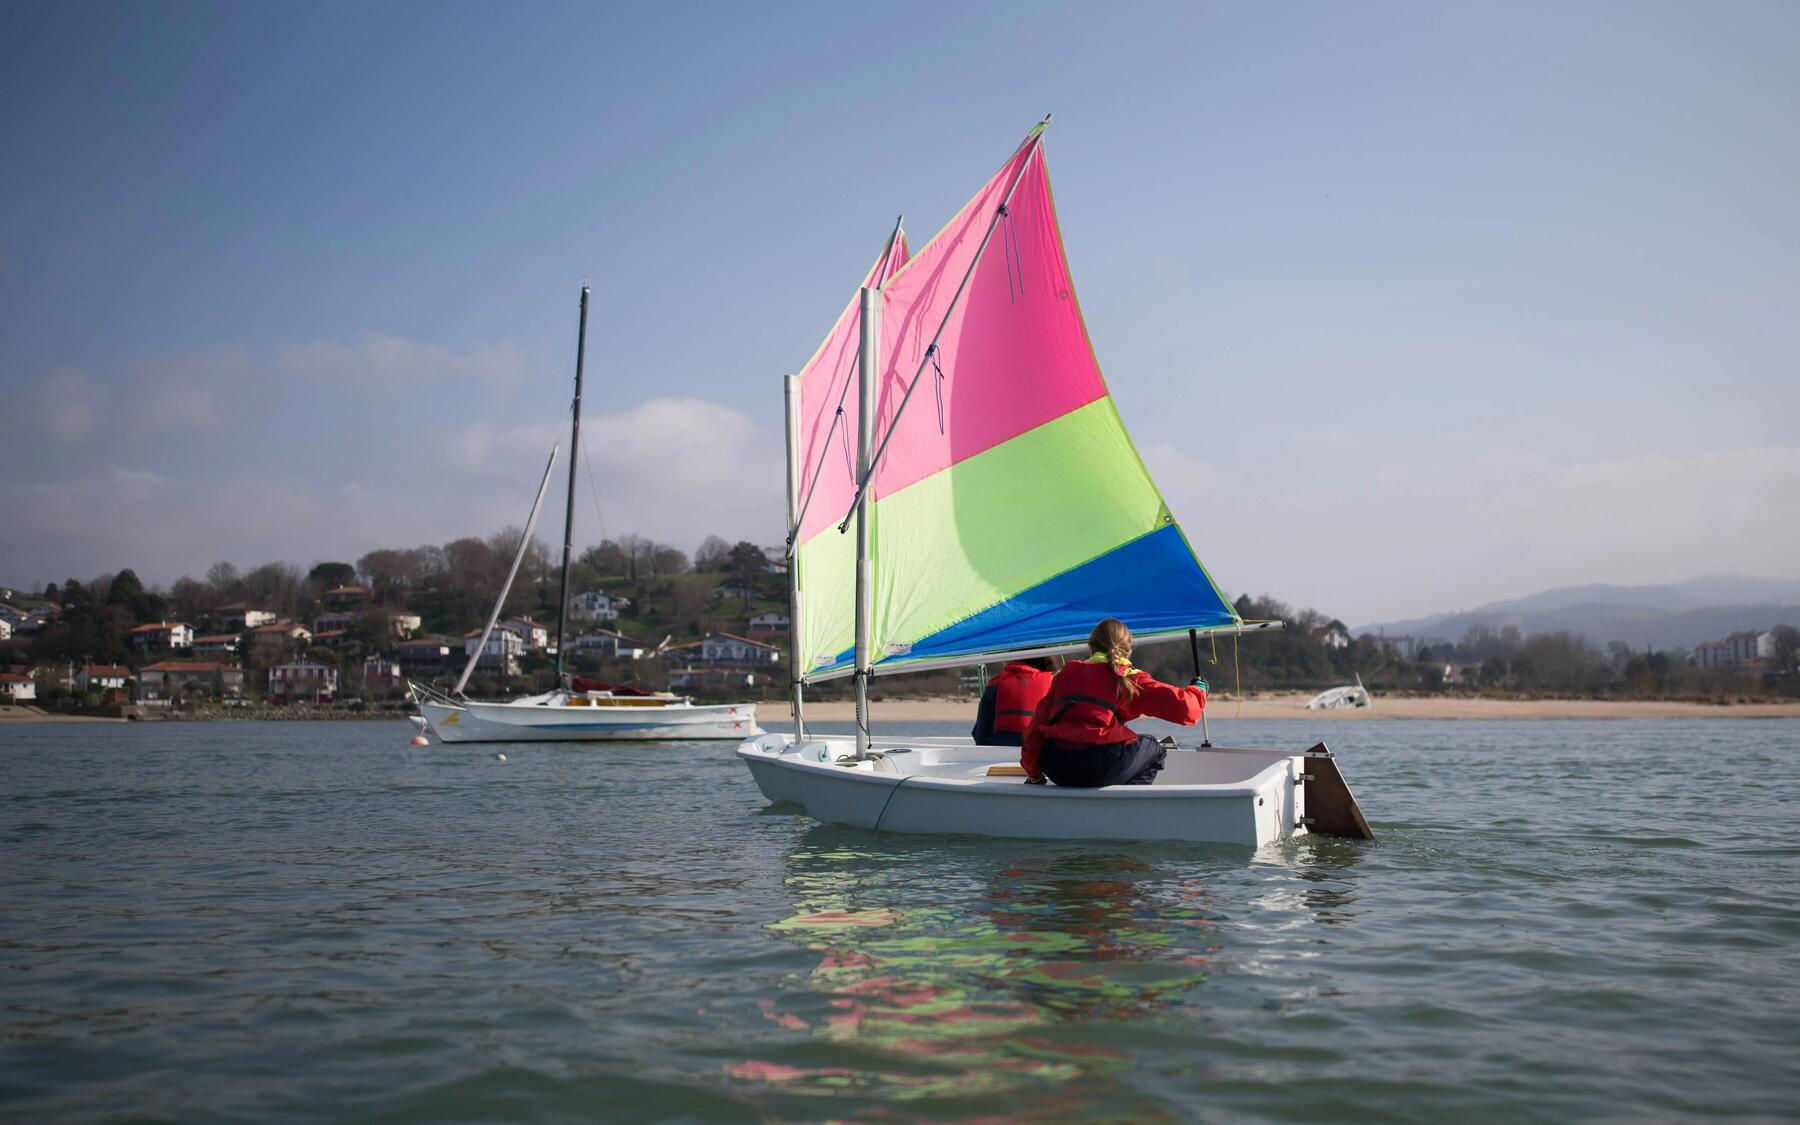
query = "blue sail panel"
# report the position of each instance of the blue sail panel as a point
(1153, 584)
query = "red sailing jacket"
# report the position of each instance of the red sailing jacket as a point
(1018, 689)
(1076, 709)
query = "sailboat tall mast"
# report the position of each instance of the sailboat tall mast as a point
(562, 588)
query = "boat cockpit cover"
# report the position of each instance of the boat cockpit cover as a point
(583, 684)
(1011, 509)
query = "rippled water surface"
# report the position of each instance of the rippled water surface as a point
(315, 921)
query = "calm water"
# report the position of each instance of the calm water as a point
(314, 921)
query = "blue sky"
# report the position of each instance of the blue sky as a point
(1410, 307)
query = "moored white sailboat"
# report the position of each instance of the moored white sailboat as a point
(999, 518)
(576, 710)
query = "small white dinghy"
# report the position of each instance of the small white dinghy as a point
(1216, 795)
(999, 521)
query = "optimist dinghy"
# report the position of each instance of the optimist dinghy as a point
(997, 515)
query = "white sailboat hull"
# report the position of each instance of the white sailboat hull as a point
(1226, 796)
(528, 721)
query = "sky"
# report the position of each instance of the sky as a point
(1409, 307)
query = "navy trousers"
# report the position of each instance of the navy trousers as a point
(1090, 767)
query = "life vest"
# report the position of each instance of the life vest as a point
(1017, 690)
(1084, 704)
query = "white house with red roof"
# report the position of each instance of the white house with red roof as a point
(535, 636)
(15, 687)
(723, 648)
(102, 677)
(302, 681)
(168, 678)
(162, 634)
(215, 642)
(501, 653)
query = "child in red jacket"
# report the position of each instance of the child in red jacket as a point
(1078, 735)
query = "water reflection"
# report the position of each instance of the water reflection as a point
(985, 970)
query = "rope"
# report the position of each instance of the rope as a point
(890, 800)
(1009, 250)
(938, 386)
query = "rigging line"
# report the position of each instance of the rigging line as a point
(594, 491)
(940, 389)
(1006, 251)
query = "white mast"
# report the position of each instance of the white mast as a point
(866, 373)
(796, 674)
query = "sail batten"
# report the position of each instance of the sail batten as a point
(1011, 509)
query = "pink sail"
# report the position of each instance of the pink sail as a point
(827, 382)
(1014, 353)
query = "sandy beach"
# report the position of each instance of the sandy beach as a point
(1290, 705)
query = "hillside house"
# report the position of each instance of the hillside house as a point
(426, 654)
(302, 681)
(102, 678)
(1748, 651)
(609, 645)
(16, 687)
(6, 630)
(336, 638)
(595, 605)
(162, 634)
(728, 590)
(713, 680)
(279, 637)
(717, 649)
(334, 622)
(535, 637)
(381, 676)
(347, 597)
(242, 616)
(769, 627)
(170, 679)
(215, 643)
(500, 654)
(1332, 637)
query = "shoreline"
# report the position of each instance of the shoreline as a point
(1290, 706)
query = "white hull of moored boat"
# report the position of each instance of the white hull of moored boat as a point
(527, 721)
(1228, 796)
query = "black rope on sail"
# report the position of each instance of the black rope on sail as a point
(1009, 250)
(938, 385)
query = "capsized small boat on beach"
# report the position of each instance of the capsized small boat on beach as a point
(1349, 695)
(998, 515)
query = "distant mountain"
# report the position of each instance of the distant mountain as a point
(1678, 615)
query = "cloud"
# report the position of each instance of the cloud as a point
(62, 399)
(676, 469)
(673, 469)
(394, 359)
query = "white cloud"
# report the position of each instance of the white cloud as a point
(63, 398)
(394, 359)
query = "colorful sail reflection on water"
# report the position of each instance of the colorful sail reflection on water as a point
(1010, 509)
(911, 1003)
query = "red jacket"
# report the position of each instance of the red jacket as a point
(1018, 689)
(1076, 709)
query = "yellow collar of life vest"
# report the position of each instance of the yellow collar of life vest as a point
(1103, 658)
